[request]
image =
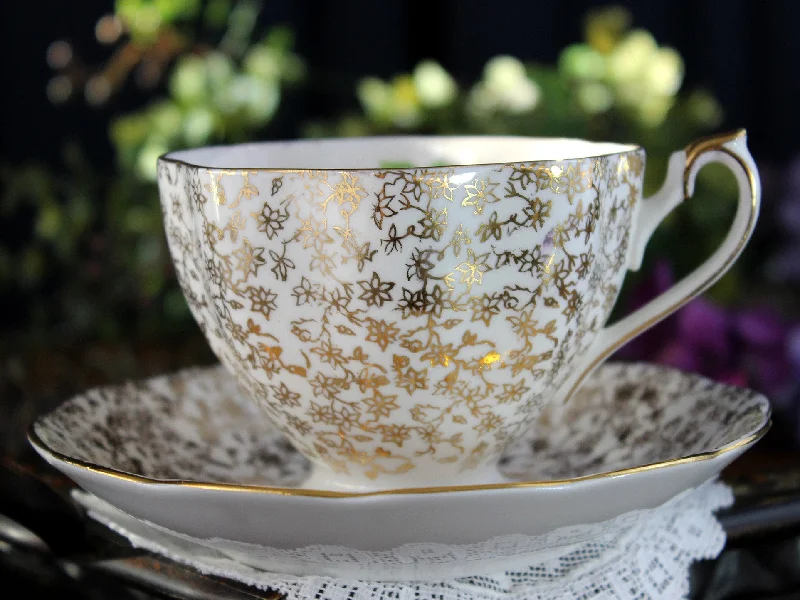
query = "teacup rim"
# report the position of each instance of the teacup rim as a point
(168, 157)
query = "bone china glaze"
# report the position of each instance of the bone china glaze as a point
(403, 325)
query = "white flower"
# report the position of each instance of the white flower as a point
(644, 77)
(581, 61)
(396, 102)
(594, 97)
(630, 58)
(219, 68)
(434, 86)
(503, 73)
(263, 62)
(665, 72)
(261, 100)
(405, 102)
(653, 110)
(505, 87)
(147, 161)
(256, 98)
(198, 125)
(188, 83)
(705, 109)
(375, 96)
(523, 98)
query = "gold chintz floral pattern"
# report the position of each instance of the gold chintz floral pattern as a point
(196, 425)
(396, 319)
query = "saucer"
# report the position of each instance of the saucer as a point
(619, 558)
(189, 453)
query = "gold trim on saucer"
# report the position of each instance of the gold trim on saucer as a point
(226, 487)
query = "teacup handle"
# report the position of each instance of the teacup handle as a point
(730, 149)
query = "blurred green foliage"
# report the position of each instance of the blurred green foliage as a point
(144, 19)
(88, 256)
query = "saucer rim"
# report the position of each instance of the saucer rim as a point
(40, 446)
(766, 423)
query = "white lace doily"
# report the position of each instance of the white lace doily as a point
(649, 560)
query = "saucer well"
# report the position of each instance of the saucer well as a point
(189, 453)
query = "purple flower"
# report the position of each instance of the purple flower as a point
(784, 265)
(751, 347)
(793, 344)
(648, 343)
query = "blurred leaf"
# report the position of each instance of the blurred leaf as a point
(728, 290)
(216, 12)
(199, 125)
(581, 61)
(98, 241)
(49, 222)
(32, 266)
(241, 22)
(139, 219)
(189, 81)
(264, 62)
(395, 164)
(144, 18)
(281, 39)
(605, 27)
(175, 305)
(6, 267)
(261, 101)
(219, 69)
(128, 133)
(712, 206)
(164, 119)
(146, 163)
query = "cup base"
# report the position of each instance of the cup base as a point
(325, 478)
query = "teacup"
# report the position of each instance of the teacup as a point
(403, 325)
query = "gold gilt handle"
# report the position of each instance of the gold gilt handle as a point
(730, 149)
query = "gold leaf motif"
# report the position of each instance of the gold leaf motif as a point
(359, 354)
(423, 413)
(277, 183)
(314, 232)
(480, 194)
(408, 378)
(400, 362)
(249, 259)
(469, 338)
(236, 224)
(247, 191)
(472, 269)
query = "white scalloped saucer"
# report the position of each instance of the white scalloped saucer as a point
(188, 453)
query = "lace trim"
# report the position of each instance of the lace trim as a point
(639, 555)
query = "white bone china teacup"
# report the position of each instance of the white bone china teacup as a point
(403, 325)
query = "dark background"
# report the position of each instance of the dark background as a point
(746, 52)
